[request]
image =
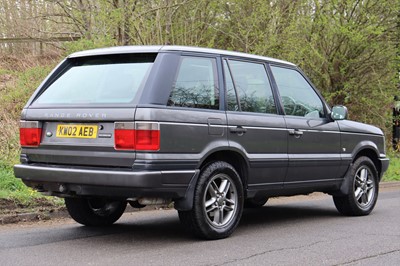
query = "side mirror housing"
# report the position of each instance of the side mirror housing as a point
(339, 112)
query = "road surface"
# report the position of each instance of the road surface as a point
(289, 231)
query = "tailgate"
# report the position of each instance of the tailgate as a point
(79, 137)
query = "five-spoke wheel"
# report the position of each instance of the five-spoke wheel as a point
(217, 203)
(220, 200)
(364, 187)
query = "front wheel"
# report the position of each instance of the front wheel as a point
(363, 190)
(217, 203)
(95, 211)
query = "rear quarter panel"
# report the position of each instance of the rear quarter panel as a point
(186, 136)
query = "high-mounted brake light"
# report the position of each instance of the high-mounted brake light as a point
(141, 136)
(30, 133)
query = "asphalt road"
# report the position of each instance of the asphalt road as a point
(289, 231)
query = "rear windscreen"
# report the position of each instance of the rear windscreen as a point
(99, 80)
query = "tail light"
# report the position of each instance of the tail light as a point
(141, 136)
(30, 133)
(147, 136)
(124, 136)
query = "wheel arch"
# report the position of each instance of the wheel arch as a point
(351, 201)
(367, 150)
(233, 157)
(370, 151)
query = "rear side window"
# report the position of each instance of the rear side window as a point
(99, 80)
(195, 85)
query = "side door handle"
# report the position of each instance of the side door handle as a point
(295, 132)
(238, 130)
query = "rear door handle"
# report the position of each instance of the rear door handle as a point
(238, 130)
(295, 132)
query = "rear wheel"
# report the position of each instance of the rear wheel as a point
(363, 190)
(217, 203)
(95, 211)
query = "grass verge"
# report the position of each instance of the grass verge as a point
(393, 173)
(15, 196)
(18, 79)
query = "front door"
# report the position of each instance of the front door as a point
(313, 138)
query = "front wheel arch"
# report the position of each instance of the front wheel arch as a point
(373, 156)
(369, 153)
(362, 186)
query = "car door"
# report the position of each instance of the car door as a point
(313, 138)
(255, 128)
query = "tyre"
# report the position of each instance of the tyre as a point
(135, 204)
(363, 189)
(95, 211)
(217, 203)
(255, 202)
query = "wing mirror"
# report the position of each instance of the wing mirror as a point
(339, 112)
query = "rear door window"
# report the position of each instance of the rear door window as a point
(99, 80)
(252, 87)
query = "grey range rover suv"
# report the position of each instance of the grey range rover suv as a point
(211, 131)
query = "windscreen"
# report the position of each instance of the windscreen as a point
(99, 80)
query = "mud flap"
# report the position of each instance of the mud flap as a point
(344, 188)
(186, 203)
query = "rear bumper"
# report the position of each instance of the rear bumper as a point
(110, 182)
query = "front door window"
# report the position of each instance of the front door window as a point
(297, 95)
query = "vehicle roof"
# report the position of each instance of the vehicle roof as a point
(161, 48)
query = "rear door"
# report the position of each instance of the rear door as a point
(255, 128)
(77, 111)
(313, 139)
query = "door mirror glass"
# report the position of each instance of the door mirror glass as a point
(339, 112)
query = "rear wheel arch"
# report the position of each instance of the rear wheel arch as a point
(233, 158)
(217, 202)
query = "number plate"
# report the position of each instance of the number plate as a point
(77, 131)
